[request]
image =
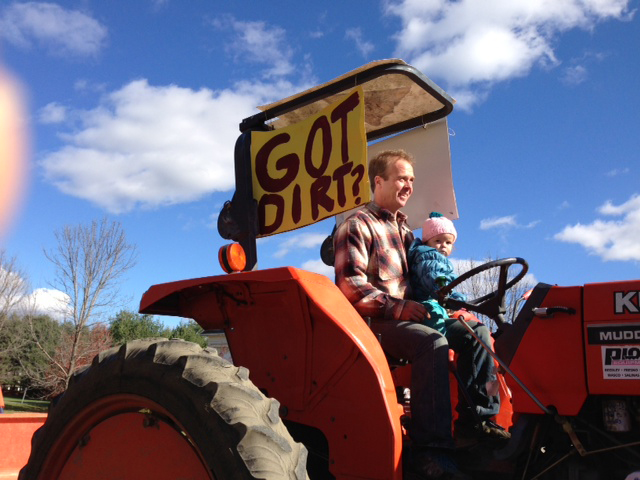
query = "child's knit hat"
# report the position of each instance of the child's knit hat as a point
(437, 224)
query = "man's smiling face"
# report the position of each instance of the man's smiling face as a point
(393, 192)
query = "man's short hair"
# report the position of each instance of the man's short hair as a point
(379, 165)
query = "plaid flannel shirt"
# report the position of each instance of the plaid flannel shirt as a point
(371, 261)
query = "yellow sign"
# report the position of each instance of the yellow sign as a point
(311, 170)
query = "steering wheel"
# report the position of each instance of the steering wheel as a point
(492, 305)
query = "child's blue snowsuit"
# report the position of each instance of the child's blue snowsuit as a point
(426, 266)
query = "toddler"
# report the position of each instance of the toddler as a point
(430, 269)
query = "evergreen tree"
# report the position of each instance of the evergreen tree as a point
(27, 361)
(190, 331)
(128, 326)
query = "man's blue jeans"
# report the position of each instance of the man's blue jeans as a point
(428, 352)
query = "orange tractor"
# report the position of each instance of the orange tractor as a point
(310, 393)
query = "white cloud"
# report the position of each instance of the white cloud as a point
(302, 240)
(363, 46)
(630, 206)
(159, 4)
(260, 43)
(148, 146)
(48, 301)
(505, 222)
(472, 44)
(577, 72)
(42, 301)
(498, 222)
(13, 286)
(609, 239)
(52, 113)
(574, 75)
(61, 31)
(318, 266)
(618, 171)
(86, 86)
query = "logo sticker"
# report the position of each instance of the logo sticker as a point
(621, 362)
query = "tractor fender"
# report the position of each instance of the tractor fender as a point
(305, 345)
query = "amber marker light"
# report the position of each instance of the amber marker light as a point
(232, 258)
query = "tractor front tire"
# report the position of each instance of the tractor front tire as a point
(161, 409)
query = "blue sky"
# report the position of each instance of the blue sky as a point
(133, 111)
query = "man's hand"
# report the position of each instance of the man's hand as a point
(413, 312)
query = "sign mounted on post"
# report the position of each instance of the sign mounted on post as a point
(313, 169)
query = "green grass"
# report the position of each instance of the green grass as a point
(16, 405)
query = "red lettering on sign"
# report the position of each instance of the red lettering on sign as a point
(338, 176)
(296, 208)
(359, 172)
(289, 163)
(276, 201)
(319, 197)
(340, 113)
(320, 124)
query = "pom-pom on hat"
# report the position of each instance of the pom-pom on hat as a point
(437, 224)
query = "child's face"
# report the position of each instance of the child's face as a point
(443, 243)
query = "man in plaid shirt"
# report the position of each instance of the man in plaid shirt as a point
(372, 271)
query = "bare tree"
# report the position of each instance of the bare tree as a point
(13, 286)
(13, 290)
(93, 341)
(487, 281)
(89, 260)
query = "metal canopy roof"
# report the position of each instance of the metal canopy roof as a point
(397, 97)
